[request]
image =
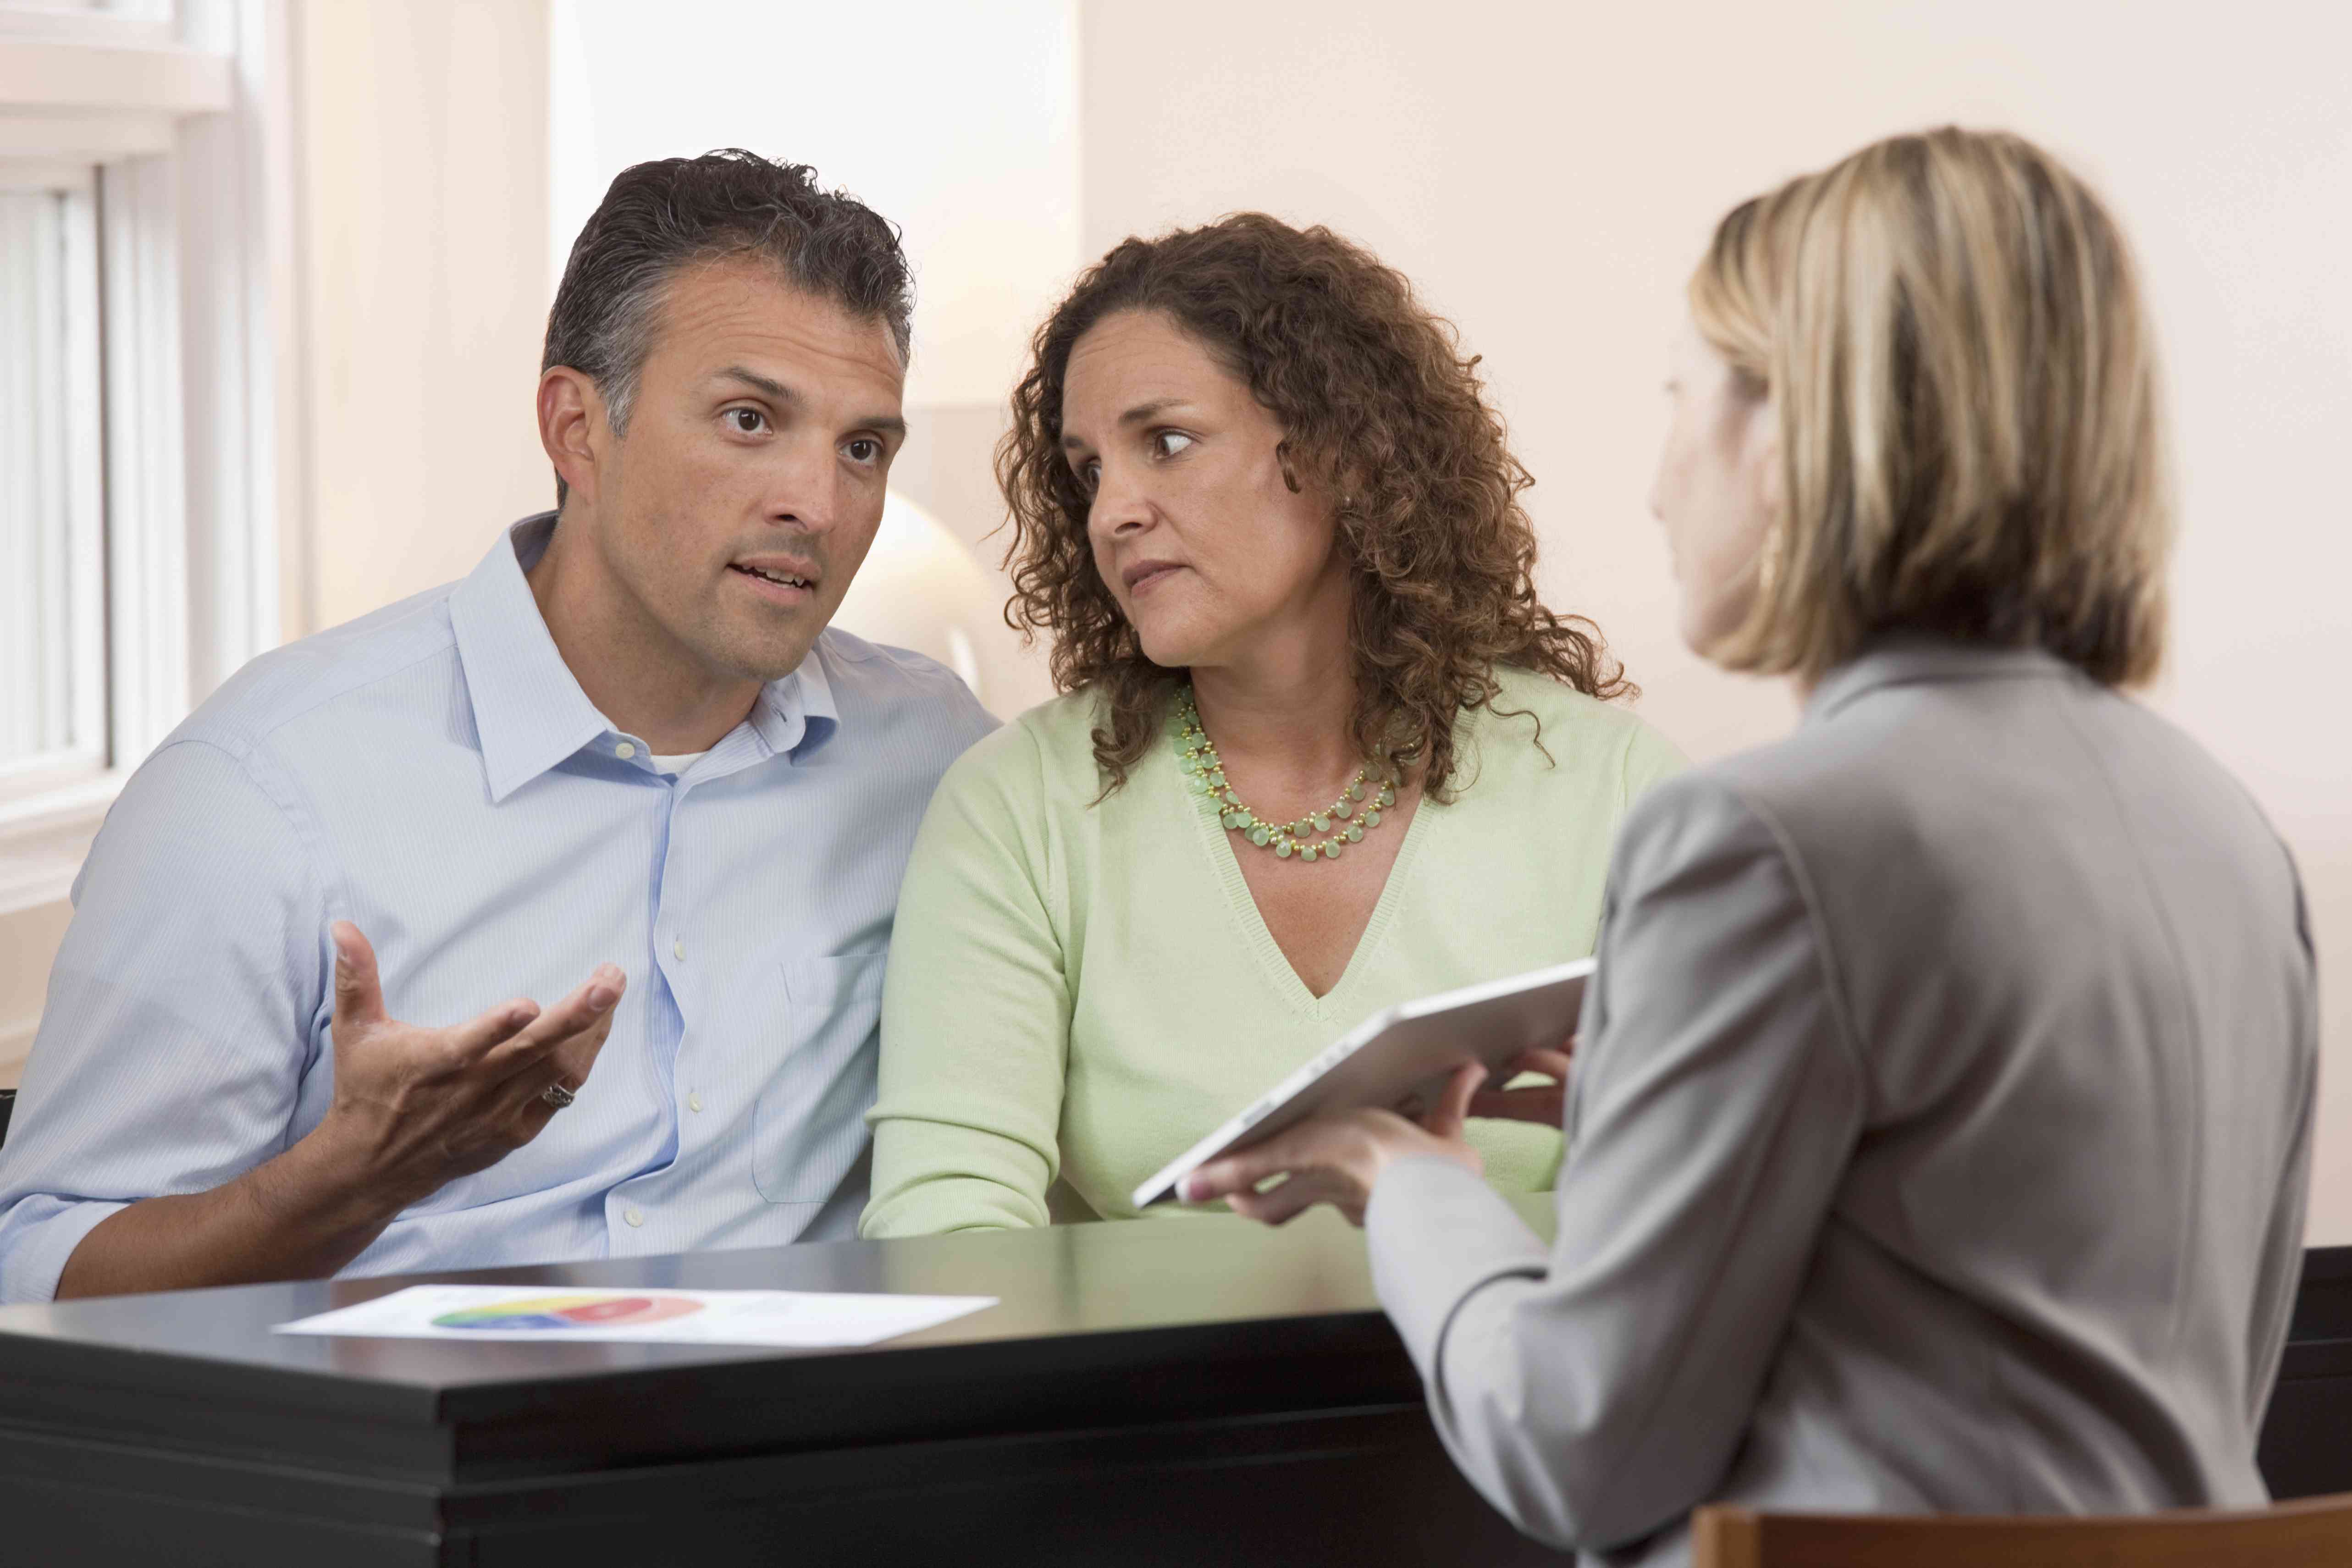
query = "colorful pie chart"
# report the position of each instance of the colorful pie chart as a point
(555, 1313)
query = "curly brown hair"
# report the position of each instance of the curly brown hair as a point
(1376, 401)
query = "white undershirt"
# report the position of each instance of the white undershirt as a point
(677, 764)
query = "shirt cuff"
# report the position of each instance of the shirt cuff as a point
(1437, 1233)
(29, 1270)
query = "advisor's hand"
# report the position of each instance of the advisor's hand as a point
(1544, 1103)
(416, 1108)
(1337, 1159)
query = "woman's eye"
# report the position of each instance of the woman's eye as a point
(1089, 476)
(747, 421)
(1167, 443)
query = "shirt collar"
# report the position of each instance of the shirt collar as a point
(1908, 657)
(530, 714)
(529, 710)
(796, 715)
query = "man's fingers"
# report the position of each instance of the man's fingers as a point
(500, 1023)
(572, 1061)
(359, 994)
(530, 1105)
(587, 1011)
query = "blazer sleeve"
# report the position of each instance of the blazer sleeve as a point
(975, 1011)
(1598, 1390)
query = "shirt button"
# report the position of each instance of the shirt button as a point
(635, 1217)
(694, 1103)
(677, 949)
(624, 751)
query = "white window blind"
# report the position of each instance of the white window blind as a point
(53, 684)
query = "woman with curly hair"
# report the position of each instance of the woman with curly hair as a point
(1320, 749)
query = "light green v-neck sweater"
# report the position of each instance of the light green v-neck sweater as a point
(1082, 991)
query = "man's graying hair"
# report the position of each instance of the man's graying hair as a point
(660, 218)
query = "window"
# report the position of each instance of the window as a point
(52, 616)
(143, 181)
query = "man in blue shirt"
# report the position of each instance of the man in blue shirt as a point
(623, 766)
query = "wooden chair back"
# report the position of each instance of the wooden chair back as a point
(2309, 1533)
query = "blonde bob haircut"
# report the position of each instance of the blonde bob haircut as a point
(1972, 442)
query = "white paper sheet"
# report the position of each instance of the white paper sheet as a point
(795, 1319)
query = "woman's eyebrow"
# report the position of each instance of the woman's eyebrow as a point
(1142, 413)
(1151, 410)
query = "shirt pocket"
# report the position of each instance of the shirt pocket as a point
(809, 1126)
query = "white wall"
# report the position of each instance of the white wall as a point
(1549, 174)
(422, 152)
(956, 121)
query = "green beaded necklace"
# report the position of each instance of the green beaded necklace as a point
(1346, 820)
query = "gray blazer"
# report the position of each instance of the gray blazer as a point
(1938, 1140)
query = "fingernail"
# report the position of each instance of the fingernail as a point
(601, 997)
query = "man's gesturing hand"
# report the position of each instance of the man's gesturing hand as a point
(416, 1108)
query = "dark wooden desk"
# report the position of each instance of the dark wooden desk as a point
(2307, 1449)
(1203, 1393)
(1181, 1393)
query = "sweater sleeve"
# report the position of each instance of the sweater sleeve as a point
(1650, 760)
(976, 1010)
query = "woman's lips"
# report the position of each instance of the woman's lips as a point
(1152, 576)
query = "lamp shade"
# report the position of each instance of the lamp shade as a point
(920, 589)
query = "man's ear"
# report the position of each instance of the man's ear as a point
(573, 428)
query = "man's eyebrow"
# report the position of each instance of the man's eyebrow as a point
(758, 383)
(776, 391)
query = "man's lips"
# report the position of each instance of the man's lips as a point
(782, 583)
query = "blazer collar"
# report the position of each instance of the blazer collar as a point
(1907, 659)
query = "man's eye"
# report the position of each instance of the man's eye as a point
(864, 449)
(1089, 475)
(1167, 443)
(747, 421)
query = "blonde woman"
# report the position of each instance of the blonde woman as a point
(1941, 1123)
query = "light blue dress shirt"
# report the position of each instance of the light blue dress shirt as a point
(434, 773)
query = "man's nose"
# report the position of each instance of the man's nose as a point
(803, 489)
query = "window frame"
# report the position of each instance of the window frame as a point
(83, 489)
(187, 123)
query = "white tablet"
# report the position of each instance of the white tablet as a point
(1400, 1058)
